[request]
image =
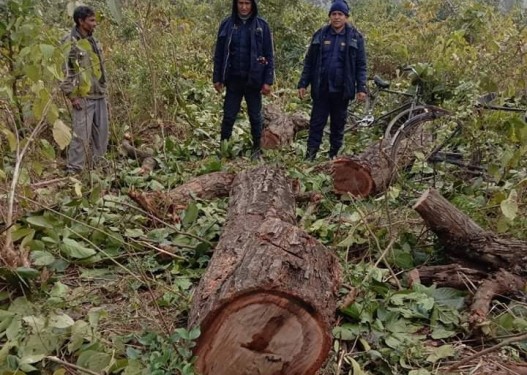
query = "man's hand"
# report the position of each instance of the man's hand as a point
(218, 86)
(361, 96)
(76, 103)
(266, 89)
(301, 92)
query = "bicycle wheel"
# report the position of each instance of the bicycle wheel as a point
(402, 117)
(417, 146)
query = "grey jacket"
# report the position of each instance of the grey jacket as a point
(85, 74)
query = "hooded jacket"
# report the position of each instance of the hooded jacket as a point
(85, 73)
(261, 69)
(354, 63)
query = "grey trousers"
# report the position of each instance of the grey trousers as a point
(90, 134)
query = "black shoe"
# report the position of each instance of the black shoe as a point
(332, 154)
(256, 154)
(311, 154)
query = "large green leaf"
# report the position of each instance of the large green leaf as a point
(42, 258)
(75, 249)
(115, 9)
(40, 221)
(61, 134)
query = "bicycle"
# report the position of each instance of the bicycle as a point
(427, 139)
(412, 105)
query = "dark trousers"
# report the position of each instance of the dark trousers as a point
(237, 90)
(334, 106)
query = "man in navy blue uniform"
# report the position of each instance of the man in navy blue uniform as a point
(335, 67)
(244, 64)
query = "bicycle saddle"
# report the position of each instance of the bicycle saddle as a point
(381, 82)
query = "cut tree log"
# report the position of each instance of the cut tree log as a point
(372, 171)
(280, 128)
(267, 301)
(461, 237)
(482, 252)
(146, 158)
(168, 204)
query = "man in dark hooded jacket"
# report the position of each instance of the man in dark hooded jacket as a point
(244, 64)
(335, 67)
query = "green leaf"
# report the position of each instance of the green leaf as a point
(134, 233)
(93, 360)
(75, 249)
(357, 370)
(22, 232)
(11, 139)
(509, 207)
(442, 352)
(27, 273)
(60, 321)
(115, 9)
(47, 50)
(40, 221)
(80, 331)
(42, 258)
(190, 214)
(61, 134)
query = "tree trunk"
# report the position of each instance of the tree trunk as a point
(480, 250)
(461, 237)
(372, 171)
(167, 204)
(280, 128)
(268, 298)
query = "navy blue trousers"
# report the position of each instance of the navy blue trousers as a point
(237, 89)
(331, 105)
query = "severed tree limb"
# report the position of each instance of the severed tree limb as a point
(481, 250)
(167, 204)
(461, 237)
(146, 158)
(510, 340)
(501, 283)
(450, 275)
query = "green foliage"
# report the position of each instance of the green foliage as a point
(99, 265)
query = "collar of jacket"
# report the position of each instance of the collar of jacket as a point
(349, 30)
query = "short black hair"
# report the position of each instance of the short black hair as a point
(81, 13)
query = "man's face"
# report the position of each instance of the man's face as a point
(245, 7)
(337, 20)
(88, 24)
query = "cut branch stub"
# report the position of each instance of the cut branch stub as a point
(268, 298)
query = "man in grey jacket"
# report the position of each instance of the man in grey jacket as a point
(85, 86)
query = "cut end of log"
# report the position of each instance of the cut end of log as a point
(422, 198)
(269, 140)
(351, 177)
(265, 334)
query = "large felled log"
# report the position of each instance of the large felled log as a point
(167, 204)
(461, 238)
(372, 171)
(280, 128)
(267, 301)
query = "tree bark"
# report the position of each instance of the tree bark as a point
(167, 204)
(280, 128)
(461, 237)
(481, 250)
(268, 298)
(147, 160)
